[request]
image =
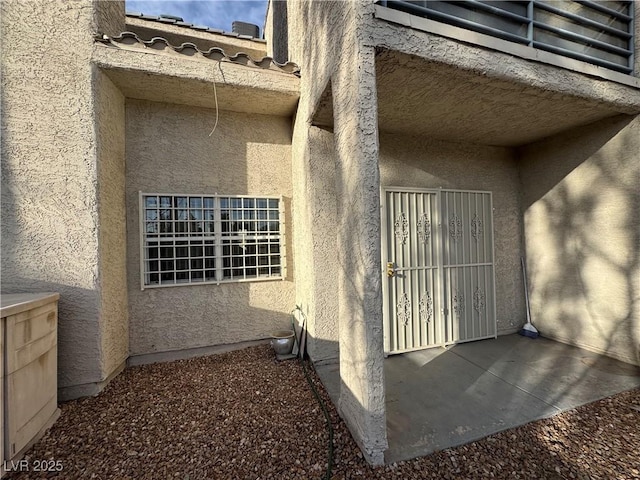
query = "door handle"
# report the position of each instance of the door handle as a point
(391, 270)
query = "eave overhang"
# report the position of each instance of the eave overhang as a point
(436, 87)
(157, 71)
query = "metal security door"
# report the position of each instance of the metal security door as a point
(438, 281)
(468, 266)
(412, 283)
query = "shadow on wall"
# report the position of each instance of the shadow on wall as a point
(170, 150)
(79, 349)
(581, 205)
(199, 316)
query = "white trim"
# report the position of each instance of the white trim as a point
(214, 282)
(283, 239)
(386, 324)
(141, 238)
(210, 238)
(493, 270)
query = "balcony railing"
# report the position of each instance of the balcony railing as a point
(598, 32)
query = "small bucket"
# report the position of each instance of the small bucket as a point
(282, 341)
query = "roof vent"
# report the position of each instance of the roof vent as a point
(243, 28)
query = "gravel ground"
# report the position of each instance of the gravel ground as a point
(243, 415)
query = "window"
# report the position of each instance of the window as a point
(187, 239)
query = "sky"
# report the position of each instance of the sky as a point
(212, 13)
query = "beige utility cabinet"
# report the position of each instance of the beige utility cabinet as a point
(29, 367)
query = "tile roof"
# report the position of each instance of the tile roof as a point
(131, 41)
(171, 20)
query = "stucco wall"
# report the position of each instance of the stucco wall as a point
(581, 203)
(417, 162)
(168, 150)
(112, 273)
(314, 215)
(49, 172)
(336, 57)
(108, 16)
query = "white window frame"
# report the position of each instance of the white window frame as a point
(220, 242)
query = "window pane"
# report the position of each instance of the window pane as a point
(182, 277)
(182, 264)
(187, 225)
(151, 227)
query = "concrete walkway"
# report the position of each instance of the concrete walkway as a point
(440, 398)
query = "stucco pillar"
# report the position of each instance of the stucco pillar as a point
(50, 172)
(108, 108)
(108, 17)
(360, 289)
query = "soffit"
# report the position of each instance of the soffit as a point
(419, 97)
(158, 71)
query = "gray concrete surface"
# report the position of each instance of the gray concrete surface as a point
(439, 398)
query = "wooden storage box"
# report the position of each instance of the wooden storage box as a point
(29, 369)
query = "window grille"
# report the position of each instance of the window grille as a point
(598, 32)
(196, 239)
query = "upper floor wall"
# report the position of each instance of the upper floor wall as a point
(596, 32)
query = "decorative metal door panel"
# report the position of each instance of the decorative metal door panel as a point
(438, 254)
(468, 266)
(412, 291)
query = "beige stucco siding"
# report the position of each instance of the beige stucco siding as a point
(169, 150)
(335, 57)
(112, 275)
(49, 202)
(417, 162)
(581, 198)
(314, 216)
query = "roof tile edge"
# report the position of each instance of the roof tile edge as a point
(189, 50)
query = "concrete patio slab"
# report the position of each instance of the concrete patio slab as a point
(439, 398)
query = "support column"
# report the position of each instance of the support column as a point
(362, 399)
(51, 222)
